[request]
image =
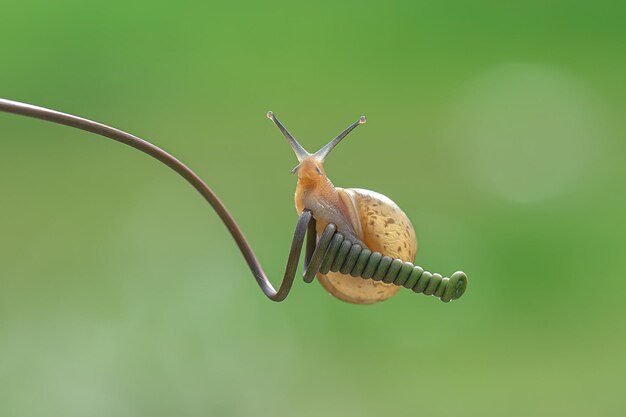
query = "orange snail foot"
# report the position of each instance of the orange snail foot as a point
(356, 290)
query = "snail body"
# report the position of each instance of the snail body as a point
(362, 216)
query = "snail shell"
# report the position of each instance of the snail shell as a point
(383, 227)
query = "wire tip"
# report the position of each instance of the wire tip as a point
(270, 115)
(362, 120)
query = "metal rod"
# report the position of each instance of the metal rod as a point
(184, 171)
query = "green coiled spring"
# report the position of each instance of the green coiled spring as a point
(334, 253)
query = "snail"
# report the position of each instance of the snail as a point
(364, 217)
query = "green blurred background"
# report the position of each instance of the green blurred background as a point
(498, 128)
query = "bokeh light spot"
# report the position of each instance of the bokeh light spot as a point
(527, 130)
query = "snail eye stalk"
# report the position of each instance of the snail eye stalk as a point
(323, 153)
(300, 152)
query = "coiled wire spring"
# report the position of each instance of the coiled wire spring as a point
(334, 253)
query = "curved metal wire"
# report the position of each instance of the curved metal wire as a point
(330, 253)
(191, 177)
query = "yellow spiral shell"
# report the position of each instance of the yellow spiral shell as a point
(384, 228)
